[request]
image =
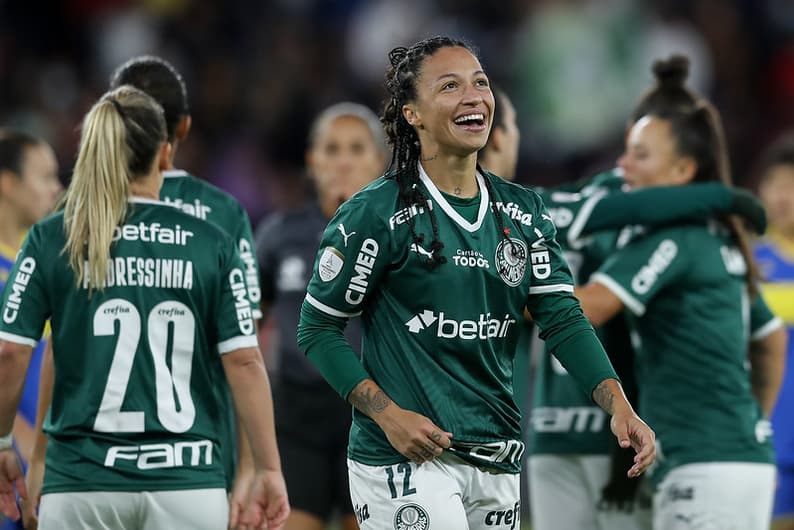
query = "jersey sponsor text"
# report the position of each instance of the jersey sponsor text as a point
(195, 208)
(163, 455)
(470, 258)
(251, 277)
(403, 215)
(483, 328)
(241, 302)
(568, 419)
(146, 272)
(363, 267)
(661, 258)
(508, 517)
(18, 286)
(153, 233)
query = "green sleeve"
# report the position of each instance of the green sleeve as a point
(658, 206)
(585, 359)
(321, 337)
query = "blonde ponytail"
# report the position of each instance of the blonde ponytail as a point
(121, 135)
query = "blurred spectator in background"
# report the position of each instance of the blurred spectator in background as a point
(29, 187)
(572, 65)
(347, 150)
(775, 255)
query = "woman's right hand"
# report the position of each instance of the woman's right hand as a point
(413, 435)
(34, 479)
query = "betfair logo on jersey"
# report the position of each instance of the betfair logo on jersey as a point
(402, 216)
(158, 456)
(470, 258)
(18, 286)
(661, 258)
(507, 518)
(195, 208)
(483, 328)
(363, 268)
(152, 233)
(515, 213)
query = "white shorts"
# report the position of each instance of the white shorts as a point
(565, 493)
(715, 496)
(200, 509)
(444, 494)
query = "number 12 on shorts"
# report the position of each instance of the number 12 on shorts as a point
(403, 469)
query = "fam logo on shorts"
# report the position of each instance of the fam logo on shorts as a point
(330, 264)
(411, 517)
(511, 260)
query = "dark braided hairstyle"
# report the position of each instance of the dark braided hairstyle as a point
(401, 78)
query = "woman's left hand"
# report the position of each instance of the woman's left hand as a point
(631, 431)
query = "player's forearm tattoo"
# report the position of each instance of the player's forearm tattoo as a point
(604, 397)
(369, 400)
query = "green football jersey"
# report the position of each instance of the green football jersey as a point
(133, 406)
(691, 321)
(441, 342)
(564, 420)
(203, 200)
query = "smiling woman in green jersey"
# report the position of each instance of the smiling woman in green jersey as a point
(687, 291)
(143, 298)
(440, 261)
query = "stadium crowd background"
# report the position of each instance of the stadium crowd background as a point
(260, 70)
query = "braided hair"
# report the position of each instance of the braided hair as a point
(401, 85)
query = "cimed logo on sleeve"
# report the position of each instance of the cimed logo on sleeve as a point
(331, 263)
(511, 261)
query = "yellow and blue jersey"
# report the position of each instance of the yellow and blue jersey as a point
(775, 257)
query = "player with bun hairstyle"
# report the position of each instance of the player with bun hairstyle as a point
(690, 295)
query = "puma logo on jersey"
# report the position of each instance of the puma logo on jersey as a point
(341, 229)
(483, 328)
(420, 250)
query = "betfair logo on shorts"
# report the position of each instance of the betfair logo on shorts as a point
(411, 517)
(484, 327)
(17, 289)
(158, 456)
(508, 518)
(661, 258)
